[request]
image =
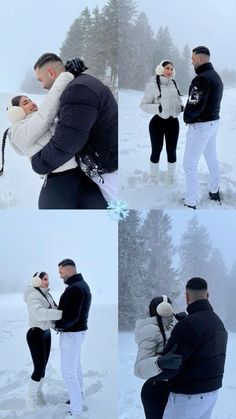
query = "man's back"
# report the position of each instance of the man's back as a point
(202, 340)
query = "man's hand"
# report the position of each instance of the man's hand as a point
(170, 360)
(75, 66)
(180, 316)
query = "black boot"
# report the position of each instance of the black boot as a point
(215, 196)
(190, 206)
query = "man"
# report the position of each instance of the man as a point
(75, 304)
(201, 340)
(202, 114)
(87, 128)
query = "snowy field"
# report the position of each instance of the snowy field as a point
(99, 361)
(130, 406)
(135, 185)
(19, 185)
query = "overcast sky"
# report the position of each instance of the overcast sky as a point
(38, 240)
(210, 23)
(30, 28)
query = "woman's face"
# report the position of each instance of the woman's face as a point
(27, 105)
(168, 70)
(45, 281)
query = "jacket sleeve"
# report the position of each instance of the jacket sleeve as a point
(78, 114)
(198, 95)
(27, 132)
(147, 103)
(39, 313)
(71, 310)
(187, 339)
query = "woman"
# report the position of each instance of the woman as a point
(67, 187)
(151, 335)
(162, 98)
(43, 312)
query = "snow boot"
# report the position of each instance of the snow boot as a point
(171, 173)
(32, 395)
(69, 415)
(41, 399)
(154, 171)
(190, 206)
(215, 196)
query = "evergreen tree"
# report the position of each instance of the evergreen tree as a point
(164, 48)
(142, 53)
(78, 40)
(230, 301)
(127, 12)
(129, 258)
(110, 41)
(195, 251)
(218, 283)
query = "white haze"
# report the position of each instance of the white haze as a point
(28, 29)
(194, 23)
(38, 240)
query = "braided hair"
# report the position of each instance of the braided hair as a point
(4, 139)
(153, 313)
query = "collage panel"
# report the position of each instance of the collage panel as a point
(58, 101)
(176, 315)
(58, 299)
(176, 113)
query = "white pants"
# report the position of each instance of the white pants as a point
(108, 184)
(195, 406)
(201, 139)
(70, 344)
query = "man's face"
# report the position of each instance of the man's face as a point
(196, 60)
(64, 272)
(46, 75)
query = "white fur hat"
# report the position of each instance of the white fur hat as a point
(164, 309)
(160, 69)
(15, 113)
(36, 281)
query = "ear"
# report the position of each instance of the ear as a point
(51, 72)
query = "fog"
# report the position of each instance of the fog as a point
(28, 29)
(37, 240)
(194, 23)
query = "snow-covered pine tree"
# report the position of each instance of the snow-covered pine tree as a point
(164, 47)
(195, 251)
(230, 321)
(110, 41)
(158, 274)
(142, 53)
(129, 259)
(127, 12)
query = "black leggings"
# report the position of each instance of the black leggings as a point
(71, 189)
(39, 342)
(154, 396)
(160, 128)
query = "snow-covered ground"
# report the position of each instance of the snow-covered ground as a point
(19, 185)
(99, 361)
(134, 154)
(130, 406)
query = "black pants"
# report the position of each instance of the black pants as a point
(160, 128)
(154, 396)
(71, 189)
(39, 342)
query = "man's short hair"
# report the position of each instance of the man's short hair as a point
(46, 58)
(66, 262)
(197, 284)
(202, 50)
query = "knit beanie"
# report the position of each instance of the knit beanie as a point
(164, 309)
(160, 68)
(15, 113)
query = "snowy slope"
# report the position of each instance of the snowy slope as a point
(135, 185)
(99, 362)
(130, 406)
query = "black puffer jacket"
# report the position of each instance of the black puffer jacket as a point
(205, 94)
(87, 128)
(201, 339)
(75, 304)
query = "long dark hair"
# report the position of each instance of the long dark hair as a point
(153, 313)
(4, 139)
(16, 100)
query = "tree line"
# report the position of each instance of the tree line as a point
(150, 265)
